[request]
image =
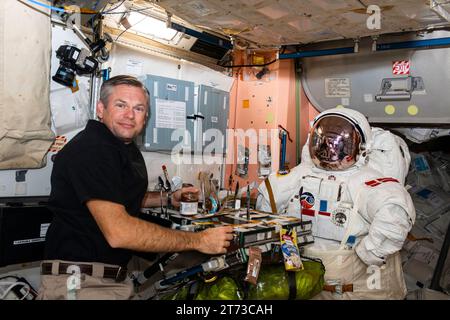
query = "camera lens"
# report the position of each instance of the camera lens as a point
(64, 76)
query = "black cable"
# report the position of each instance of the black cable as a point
(118, 12)
(5, 277)
(112, 9)
(130, 10)
(120, 34)
(100, 13)
(108, 12)
(249, 65)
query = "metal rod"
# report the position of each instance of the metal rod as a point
(236, 191)
(248, 202)
(414, 44)
(283, 152)
(428, 43)
(300, 192)
(202, 36)
(155, 267)
(435, 285)
(317, 53)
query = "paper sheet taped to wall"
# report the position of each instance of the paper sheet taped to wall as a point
(134, 67)
(170, 114)
(337, 88)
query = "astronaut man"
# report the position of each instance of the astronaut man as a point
(360, 211)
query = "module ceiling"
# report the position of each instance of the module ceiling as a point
(283, 22)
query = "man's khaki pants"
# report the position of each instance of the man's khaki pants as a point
(83, 287)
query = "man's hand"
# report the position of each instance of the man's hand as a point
(215, 240)
(176, 196)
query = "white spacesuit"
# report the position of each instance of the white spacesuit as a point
(351, 187)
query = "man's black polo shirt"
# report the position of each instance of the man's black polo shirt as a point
(93, 165)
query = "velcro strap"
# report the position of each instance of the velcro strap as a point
(193, 289)
(271, 197)
(332, 288)
(292, 285)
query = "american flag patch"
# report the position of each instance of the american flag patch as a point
(323, 208)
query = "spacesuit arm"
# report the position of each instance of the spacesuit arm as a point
(391, 215)
(283, 187)
(281, 198)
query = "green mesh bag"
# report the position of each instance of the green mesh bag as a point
(273, 282)
(224, 288)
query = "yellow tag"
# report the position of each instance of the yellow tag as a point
(75, 88)
(258, 59)
(245, 104)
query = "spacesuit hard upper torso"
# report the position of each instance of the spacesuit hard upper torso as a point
(339, 204)
(327, 201)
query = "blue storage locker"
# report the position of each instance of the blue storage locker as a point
(171, 103)
(213, 105)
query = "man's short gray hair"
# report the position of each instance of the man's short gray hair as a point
(108, 86)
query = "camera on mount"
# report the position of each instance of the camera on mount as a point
(73, 61)
(84, 61)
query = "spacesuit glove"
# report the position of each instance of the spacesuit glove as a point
(367, 256)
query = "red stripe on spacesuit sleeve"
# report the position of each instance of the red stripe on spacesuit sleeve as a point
(377, 182)
(372, 183)
(388, 180)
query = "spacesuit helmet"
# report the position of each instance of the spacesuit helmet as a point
(339, 139)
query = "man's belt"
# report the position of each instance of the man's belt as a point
(339, 289)
(117, 273)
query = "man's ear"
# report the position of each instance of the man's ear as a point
(100, 109)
